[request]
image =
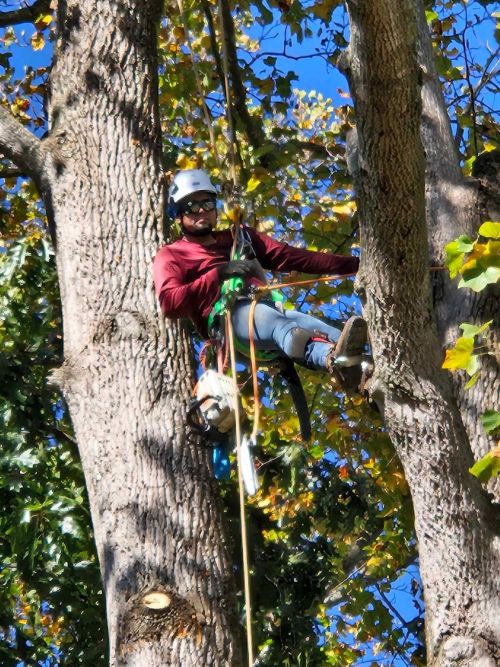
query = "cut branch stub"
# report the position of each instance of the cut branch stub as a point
(156, 601)
(157, 615)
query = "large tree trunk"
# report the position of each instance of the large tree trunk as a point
(454, 206)
(458, 541)
(127, 379)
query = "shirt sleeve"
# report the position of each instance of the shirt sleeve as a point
(276, 256)
(177, 297)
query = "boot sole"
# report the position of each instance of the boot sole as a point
(353, 338)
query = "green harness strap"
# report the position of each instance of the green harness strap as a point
(231, 288)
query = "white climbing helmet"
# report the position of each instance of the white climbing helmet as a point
(188, 182)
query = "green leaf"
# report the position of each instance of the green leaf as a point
(472, 381)
(478, 277)
(471, 330)
(316, 452)
(488, 466)
(464, 243)
(473, 365)
(443, 65)
(4, 59)
(431, 16)
(490, 230)
(455, 251)
(490, 420)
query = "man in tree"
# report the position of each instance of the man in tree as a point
(189, 273)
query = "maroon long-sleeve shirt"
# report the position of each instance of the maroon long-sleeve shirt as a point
(185, 272)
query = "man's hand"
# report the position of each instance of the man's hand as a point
(238, 267)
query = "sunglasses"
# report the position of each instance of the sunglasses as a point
(197, 206)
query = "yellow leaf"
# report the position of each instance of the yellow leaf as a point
(9, 37)
(344, 210)
(11, 182)
(186, 162)
(305, 124)
(253, 183)
(233, 214)
(374, 562)
(481, 251)
(395, 481)
(22, 104)
(37, 41)
(42, 21)
(265, 226)
(468, 164)
(490, 229)
(459, 356)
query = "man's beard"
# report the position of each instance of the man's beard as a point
(198, 232)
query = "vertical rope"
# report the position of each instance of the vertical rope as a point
(244, 539)
(230, 336)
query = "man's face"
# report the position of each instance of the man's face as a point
(199, 223)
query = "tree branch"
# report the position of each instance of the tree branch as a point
(20, 146)
(11, 173)
(24, 14)
(253, 129)
(213, 41)
(486, 77)
(30, 154)
(53, 430)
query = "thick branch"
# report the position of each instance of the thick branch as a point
(28, 153)
(11, 173)
(254, 131)
(213, 40)
(452, 519)
(20, 146)
(24, 14)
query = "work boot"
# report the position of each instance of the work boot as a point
(344, 361)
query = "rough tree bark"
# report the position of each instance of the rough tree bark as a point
(456, 205)
(126, 378)
(456, 525)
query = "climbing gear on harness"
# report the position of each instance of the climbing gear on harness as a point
(250, 479)
(215, 403)
(233, 288)
(216, 398)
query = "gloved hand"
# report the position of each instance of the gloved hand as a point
(237, 267)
